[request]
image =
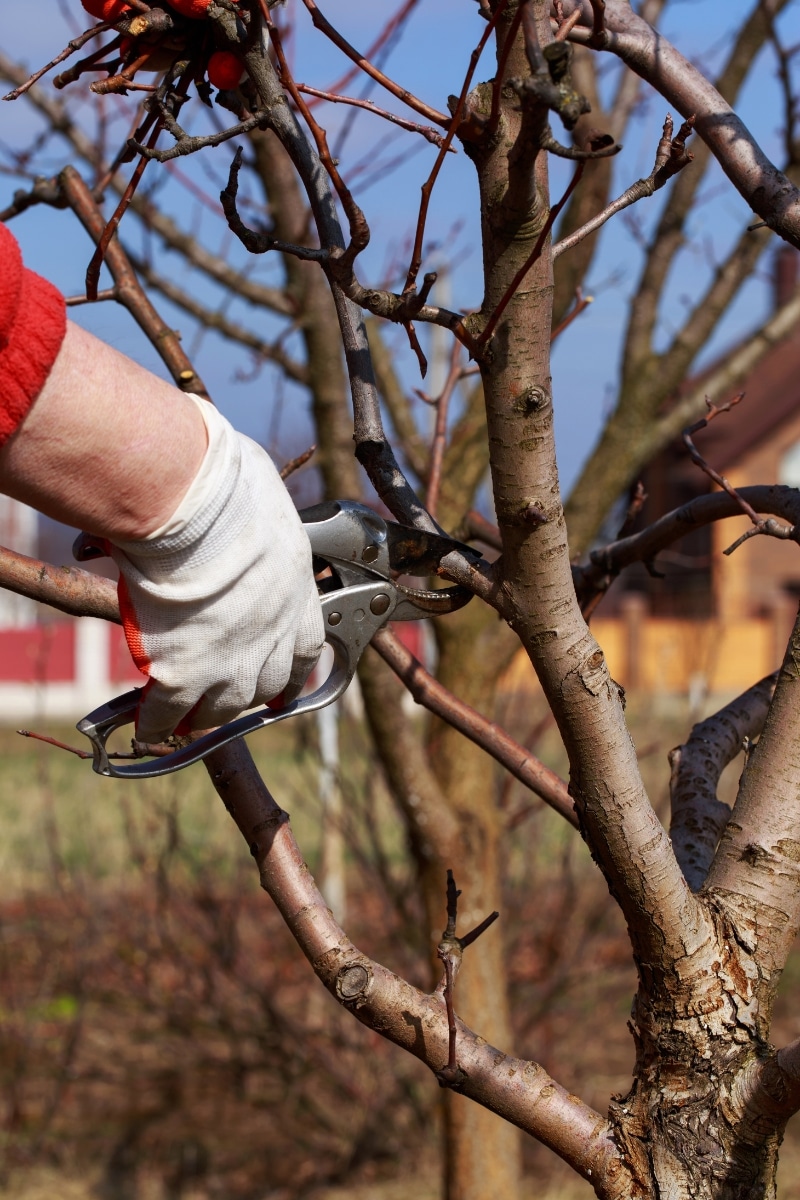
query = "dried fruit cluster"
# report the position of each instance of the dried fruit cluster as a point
(150, 44)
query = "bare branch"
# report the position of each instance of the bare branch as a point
(129, 290)
(321, 22)
(755, 874)
(698, 817)
(68, 589)
(382, 1001)
(671, 157)
(425, 131)
(607, 561)
(766, 189)
(428, 692)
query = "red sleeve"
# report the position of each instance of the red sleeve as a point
(33, 323)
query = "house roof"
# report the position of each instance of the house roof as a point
(772, 396)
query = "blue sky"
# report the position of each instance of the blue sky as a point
(430, 59)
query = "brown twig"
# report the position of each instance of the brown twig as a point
(426, 131)
(359, 229)
(147, 748)
(321, 23)
(294, 464)
(534, 255)
(581, 304)
(567, 25)
(68, 50)
(428, 185)
(769, 526)
(42, 737)
(671, 157)
(129, 291)
(428, 692)
(93, 270)
(450, 950)
(598, 37)
(383, 37)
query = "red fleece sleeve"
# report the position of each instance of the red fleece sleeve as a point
(33, 323)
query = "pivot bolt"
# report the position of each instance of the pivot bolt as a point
(379, 604)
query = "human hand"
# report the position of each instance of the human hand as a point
(219, 604)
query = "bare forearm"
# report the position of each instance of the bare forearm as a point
(107, 446)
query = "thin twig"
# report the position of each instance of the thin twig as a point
(428, 185)
(321, 22)
(581, 304)
(671, 157)
(425, 130)
(769, 526)
(294, 464)
(68, 50)
(491, 324)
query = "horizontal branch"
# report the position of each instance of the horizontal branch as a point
(607, 561)
(519, 1091)
(69, 589)
(431, 694)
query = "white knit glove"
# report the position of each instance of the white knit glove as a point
(219, 605)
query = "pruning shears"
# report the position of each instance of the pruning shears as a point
(357, 557)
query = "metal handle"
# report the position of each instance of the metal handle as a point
(352, 617)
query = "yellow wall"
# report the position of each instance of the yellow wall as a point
(665, 655)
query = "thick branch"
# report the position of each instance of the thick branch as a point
(521, 1092)
(607, 561)
(698, 817)
(766, 189)
(68, 589)
(756, 871)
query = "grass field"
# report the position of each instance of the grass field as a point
(163, 1038)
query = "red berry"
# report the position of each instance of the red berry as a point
(225, 70)
(191, 8)
(106, 10)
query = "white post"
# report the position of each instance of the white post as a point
(332, 882)
(92, 663)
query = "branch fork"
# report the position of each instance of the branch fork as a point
(451, 950)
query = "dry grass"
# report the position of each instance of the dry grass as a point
(162, 1038)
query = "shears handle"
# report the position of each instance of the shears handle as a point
(352, 617)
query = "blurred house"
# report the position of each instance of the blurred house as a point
(52, 667)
